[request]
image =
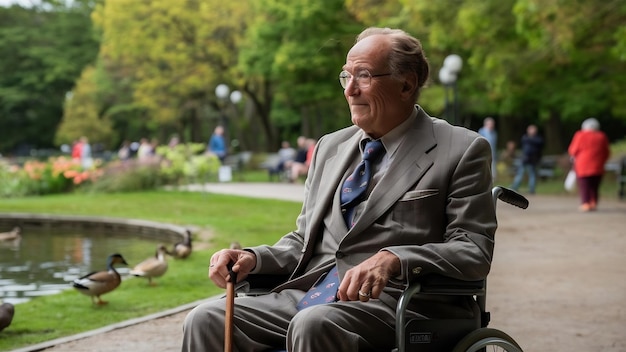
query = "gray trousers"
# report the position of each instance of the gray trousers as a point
(272, 322)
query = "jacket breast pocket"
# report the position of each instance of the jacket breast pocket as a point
(418, 194)
(416, 206)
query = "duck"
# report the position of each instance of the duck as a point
(11, 235)
(6, 315)
(98, 283)
(152, 267)
(182, 249)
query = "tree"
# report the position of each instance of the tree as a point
(295, 50)
(81, 114)
(43, 50)
(173, 54)
(552, 62)
(529, 61)
(573, 71)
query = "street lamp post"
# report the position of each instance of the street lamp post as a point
(222, 91)
(235, 97)
(448, 75)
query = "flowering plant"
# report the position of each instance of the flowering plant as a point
(56, 175)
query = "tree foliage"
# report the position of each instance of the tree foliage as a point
(172, 56)
(529, 61)
(43, 50)
(550, 62)
(81, 116)
(297, 48)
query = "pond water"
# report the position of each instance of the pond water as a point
(46, 262)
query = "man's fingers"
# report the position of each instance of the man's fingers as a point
(376, 291)
(365, 292)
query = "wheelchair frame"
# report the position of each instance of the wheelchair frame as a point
(477, 339)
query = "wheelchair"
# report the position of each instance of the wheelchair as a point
(456, 335)
(435, 335)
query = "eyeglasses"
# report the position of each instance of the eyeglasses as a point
(363, 78)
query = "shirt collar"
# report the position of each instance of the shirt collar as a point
(393, 138)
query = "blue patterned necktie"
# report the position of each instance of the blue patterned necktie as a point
(324, 291)
(352, 193)
(354, 189)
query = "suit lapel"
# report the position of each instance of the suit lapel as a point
(335, 166)
(334, 170)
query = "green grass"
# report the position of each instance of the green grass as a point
(247, 220)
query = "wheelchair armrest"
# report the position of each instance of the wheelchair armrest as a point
(443, 285)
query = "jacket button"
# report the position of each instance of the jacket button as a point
(417, 270)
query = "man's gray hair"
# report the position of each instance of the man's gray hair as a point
(406, 53)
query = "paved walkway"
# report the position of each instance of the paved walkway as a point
(284, 191)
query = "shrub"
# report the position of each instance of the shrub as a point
(56, 175)
(182, 164)
(187, 162)
(179, 165)
(125, 176)
(12, 180)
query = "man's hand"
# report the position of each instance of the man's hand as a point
(244, 262)
(368, 279)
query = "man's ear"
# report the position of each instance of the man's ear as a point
(409, 86)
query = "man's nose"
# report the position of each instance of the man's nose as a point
(351, 88)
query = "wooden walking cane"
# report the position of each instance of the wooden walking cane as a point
(230, 309)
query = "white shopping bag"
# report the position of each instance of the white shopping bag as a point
(225, 174)
(570, 181)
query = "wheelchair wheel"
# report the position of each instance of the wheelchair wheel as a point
(487, 340)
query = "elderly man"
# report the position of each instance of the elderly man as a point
(396, 196)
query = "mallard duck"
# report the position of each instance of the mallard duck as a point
(98, 283)
(6, 315)
(152, 267)
(182, 249)
(11, 235)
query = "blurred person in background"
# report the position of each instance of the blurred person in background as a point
(302, 168)
(217, 143)
(76, 149)
(532, 147)
(489, 132)
(589, 151)
(86, 160)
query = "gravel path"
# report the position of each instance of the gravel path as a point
(557, 284)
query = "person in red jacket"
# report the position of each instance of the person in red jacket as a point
(77, 149)
(590, 150)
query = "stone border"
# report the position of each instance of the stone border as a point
(143, 228)
(123, 324)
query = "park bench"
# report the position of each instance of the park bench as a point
(547, 166)
(619, 168)
(270, 164)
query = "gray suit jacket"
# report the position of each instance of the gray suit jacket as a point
(432, 208)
